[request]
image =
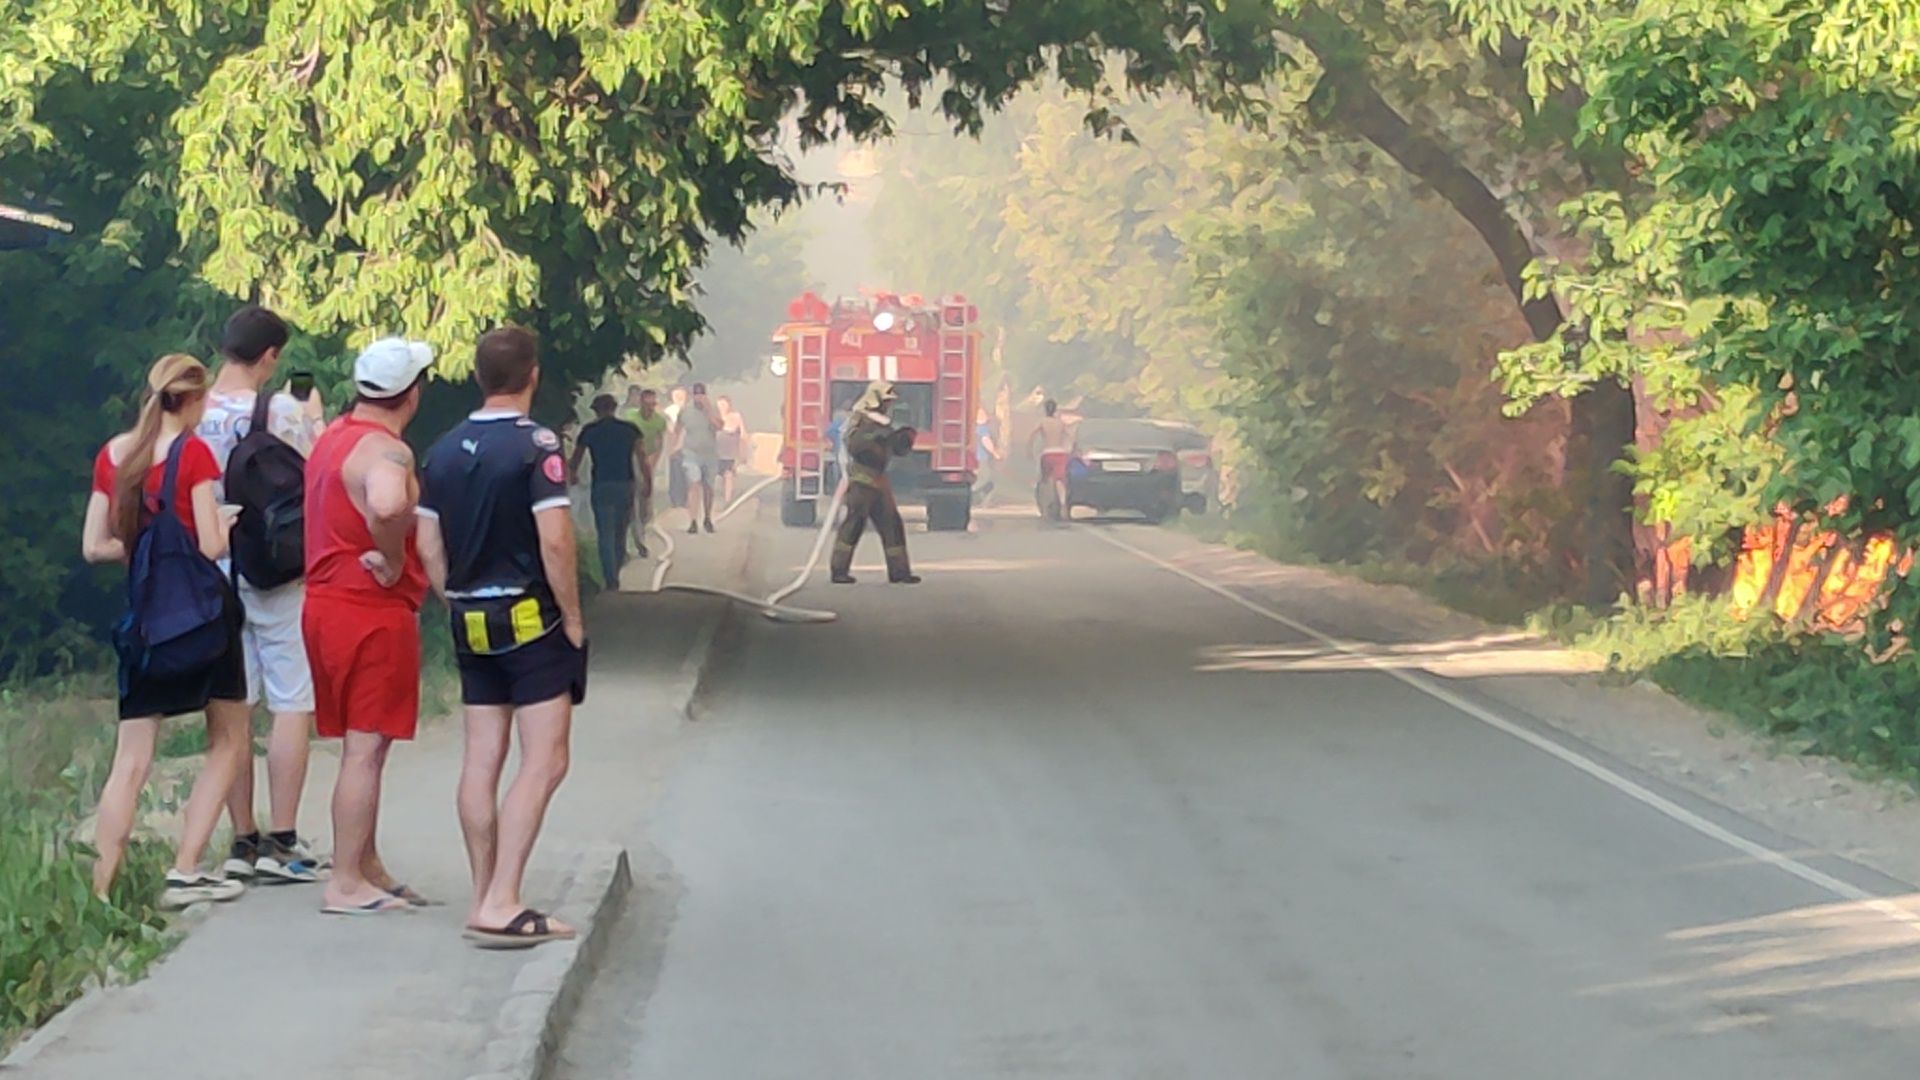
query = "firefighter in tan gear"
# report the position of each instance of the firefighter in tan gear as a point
(872, 440)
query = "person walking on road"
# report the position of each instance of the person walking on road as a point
(158, 471)
(1054, 439)
(872, 441)
(987, 455)
(615, 447)
(732, 446)
(676, 473)
(696, 431)
(276, 653)
(365, 582)
(496, 529)
(644, 413)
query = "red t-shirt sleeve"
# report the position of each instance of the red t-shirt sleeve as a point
(103, 471)
(196, 465)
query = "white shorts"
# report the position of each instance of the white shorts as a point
(276, 650)
(700, 468)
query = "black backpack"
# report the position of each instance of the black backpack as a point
(267, 479)
(176, 623)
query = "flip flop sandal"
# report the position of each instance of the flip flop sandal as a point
(405, 892)
(386, 905)
(523, 931)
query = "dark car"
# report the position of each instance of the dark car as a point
(1125, 465)
(1199, 476)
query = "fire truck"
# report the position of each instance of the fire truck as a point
(828, 353)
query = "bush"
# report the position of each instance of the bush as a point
(1818, 695)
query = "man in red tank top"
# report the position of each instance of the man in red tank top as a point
(361, 622)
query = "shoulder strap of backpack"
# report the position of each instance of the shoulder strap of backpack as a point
(262, 408)
(172, 477)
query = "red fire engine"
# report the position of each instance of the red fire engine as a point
(830, 352)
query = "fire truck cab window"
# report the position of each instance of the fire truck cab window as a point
(914, 409)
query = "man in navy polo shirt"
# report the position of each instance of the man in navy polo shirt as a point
(496, 533)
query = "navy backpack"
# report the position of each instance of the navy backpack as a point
(176, 621)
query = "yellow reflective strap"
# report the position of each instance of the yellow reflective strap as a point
(526, 621)
(477, 639)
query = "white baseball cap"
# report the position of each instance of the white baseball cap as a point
(388, 367)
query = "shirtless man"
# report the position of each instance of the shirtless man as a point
(1055, 440)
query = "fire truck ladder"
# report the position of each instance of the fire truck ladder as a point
(810, 400)
(951, 419)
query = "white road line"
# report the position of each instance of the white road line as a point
(1638, 792)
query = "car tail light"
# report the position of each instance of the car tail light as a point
(1196, 459)
(1164, 461)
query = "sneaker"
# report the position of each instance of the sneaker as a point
(642, 553)
(709, 524)
(283, 864)
(906, 579)
(240, 858)
(693, 530)
(303, 848)
(185, 890)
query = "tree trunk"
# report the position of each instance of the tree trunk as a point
(1602, 425)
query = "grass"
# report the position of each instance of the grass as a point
(56, 742)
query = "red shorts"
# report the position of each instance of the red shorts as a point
(366, 666)
(1053, 464)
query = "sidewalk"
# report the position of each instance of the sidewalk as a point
(268, 986)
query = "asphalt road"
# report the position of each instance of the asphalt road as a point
(1042, 817)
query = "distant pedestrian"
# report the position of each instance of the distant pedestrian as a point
(1053, 438)
(987, 455)
(836, 463)
(153, 508)
(497, 534)
(676, 471)
(364, 587)
(618, 457)
(733, 445)
(645, 414)
(272, 595)
(696, 431)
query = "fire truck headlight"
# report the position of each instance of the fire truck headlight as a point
(778, 365)
(883, 321)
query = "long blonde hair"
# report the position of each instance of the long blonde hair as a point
(174, 382)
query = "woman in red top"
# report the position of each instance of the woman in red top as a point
(127, 476)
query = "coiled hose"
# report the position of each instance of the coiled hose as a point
(771, 607)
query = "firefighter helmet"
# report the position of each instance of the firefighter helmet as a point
(878, 395)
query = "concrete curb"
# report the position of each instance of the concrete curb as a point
(526, 1033)
(715, 637)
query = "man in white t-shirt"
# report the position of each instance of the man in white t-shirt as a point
(676, 472)
(276, 651)
(695, 430)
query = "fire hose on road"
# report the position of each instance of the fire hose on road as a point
(771, 607)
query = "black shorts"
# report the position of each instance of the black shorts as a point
(536, 672)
